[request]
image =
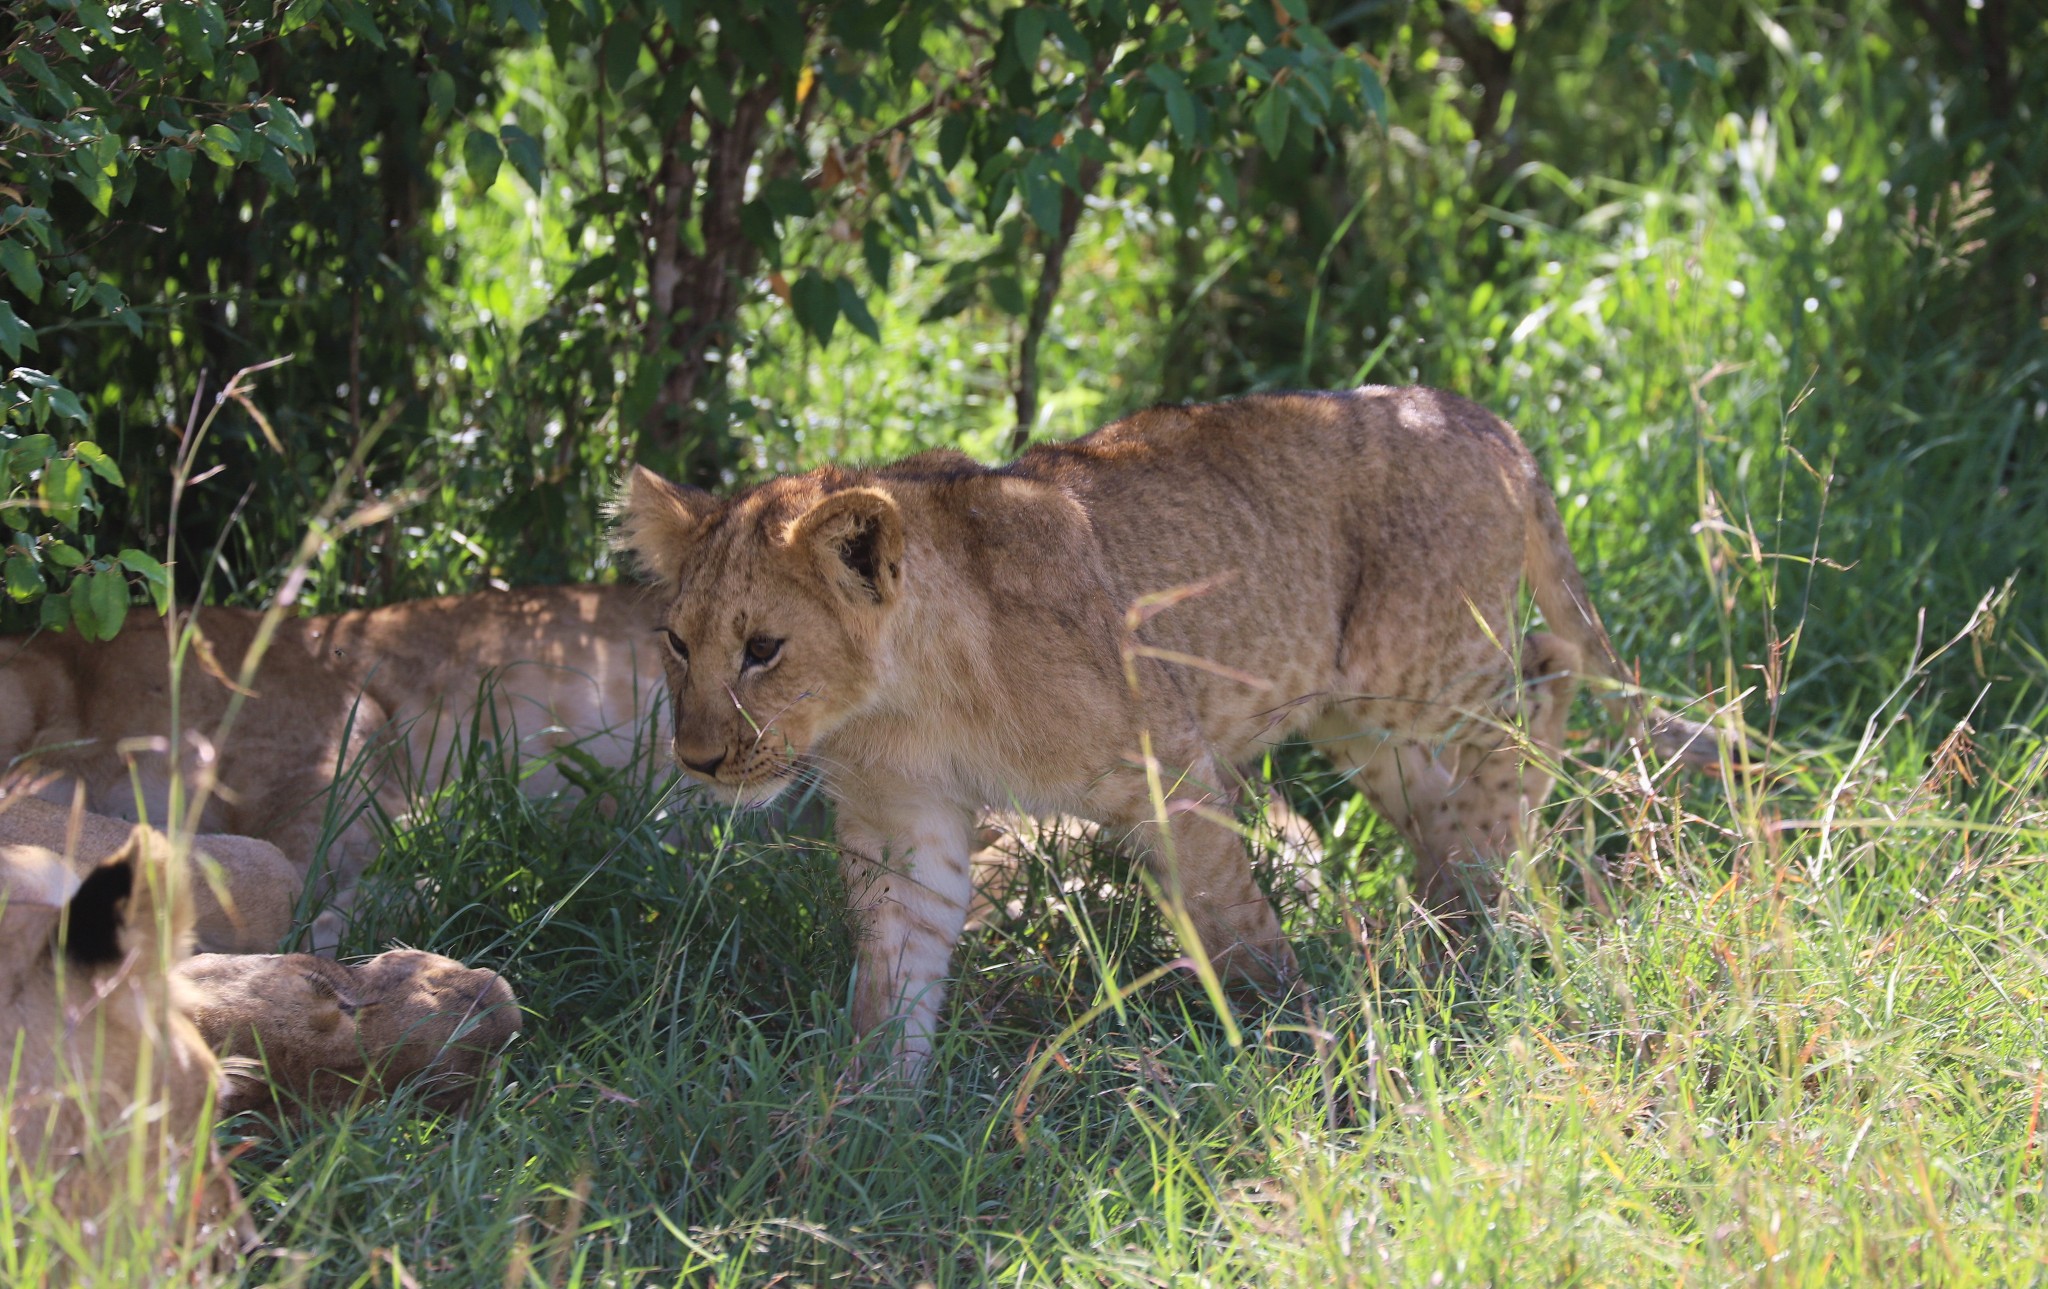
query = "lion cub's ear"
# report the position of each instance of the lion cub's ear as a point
(856, 538)
(134, 901)
(658, 521)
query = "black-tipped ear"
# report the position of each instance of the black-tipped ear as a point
(856, 538)
(98, 913)
(658, 522)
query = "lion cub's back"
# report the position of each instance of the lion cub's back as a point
(1302, 486)
(1347, 536)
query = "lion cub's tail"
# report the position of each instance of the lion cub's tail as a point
(1568, 611)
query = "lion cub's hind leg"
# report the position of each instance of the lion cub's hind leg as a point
(1463, 804)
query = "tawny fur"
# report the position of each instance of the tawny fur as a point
(935, 636)
(379, 693)
(305, 1032)
(244, 891)
(100, 1051)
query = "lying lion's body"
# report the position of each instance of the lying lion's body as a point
(935, 636)
(245, 892)
(336, 695)
(107, 1083)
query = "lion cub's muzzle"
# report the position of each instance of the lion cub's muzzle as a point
(748, 777)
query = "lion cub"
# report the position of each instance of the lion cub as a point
(1193, 582)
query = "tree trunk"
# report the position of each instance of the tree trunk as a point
(693, 295)
(1049, 274)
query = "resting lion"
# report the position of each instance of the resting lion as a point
(244, 891)
(107, 1082)
(374, 698)
(106, 1026)
(1187, 585)
(304, 1031)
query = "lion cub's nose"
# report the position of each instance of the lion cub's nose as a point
(707, 768)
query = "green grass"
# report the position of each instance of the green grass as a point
(1792, 1053)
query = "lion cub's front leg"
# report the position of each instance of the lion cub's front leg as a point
(1205, 873)
(907, 870)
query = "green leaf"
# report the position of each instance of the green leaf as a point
(24, 577)
(1373, 90)
(524, 12)
(621, 53)
(82, 615)
(299, 14)
(92, 454)
(56, 612)
(220, 144)
(15, 335)
(590, 274)
(281, 124)
(816, 303)
(1180, 105)
(717, 98)
(1007, 294)
(757, 225)
(1201, 14)
(92, 183)
(272, 165)
(1063, 29)
(1042, 197)
(63, 554)
(1141, 128)
(952, 139)
(63, 490)
(789, 195)
(22, 54)
(523, 151)
(177, 163)
(787, 31)
(1270, 119)
(855, 311)
(22, 269)
(481, 157)
(198, 28)
(30, 451)
(65, 404)
(441, 92)
(357, 19)
(1030, 34)
(952, 301)
(153, 574)
(109, 596)
(874, 249)
(906, 46)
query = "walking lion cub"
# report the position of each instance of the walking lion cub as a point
(1185, 586)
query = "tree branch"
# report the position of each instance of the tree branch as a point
(1050, 272)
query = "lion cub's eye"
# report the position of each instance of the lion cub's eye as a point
(762, 650)
(678, 648)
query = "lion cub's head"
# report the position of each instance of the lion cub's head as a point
(776, 603)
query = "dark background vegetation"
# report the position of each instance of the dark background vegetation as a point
(530, 243)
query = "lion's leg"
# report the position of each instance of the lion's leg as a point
(1204, 872)
(907, 880)
(1463, 804)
